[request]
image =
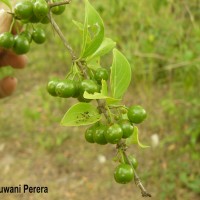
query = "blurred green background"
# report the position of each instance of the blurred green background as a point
(161, 39)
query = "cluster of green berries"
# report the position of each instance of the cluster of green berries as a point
(20, 43)
(100, 132)
(76, 88)
(122, 129)
(33, 11)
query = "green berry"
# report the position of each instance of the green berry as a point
(136, 114)
(6, 40)
(21, 45)
(114, 134)
(39, 36)
(65, 89)
(40, 9)
(101, 74)
(123, 173)
(51, 87)
(24, 10)
(127, 128)
(99, 135)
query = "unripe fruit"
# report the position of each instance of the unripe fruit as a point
(127, 128)
(101, 73)
(123, 173)
(114, 134)
(21, 45)
(51, 87)
(65, 89)
(99, 136)
(40, 9)
(136, 114)
(24, 10)
(89, 134)
(6, 40)
(39, 36)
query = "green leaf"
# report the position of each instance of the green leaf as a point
(7, 2)
(120, 76)
(106, 46)
(93, 31)
(81, 114)
(134, 139)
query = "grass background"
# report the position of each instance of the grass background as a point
(161, 40)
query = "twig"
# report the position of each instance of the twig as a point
(62, 37)
(137, 179)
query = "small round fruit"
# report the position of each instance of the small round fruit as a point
(65, 88)
(51, 87)
(40, 9)
(101, 73)
(114, 134)
(99, 136)
(21, 45)
(58, 10)
(136, 114)
(127, 128)
(27, 35)
(39, 36)
(6, 40)
(133, 161)
(123, 173)
(89, 133)
(24, 10)
(89, 85)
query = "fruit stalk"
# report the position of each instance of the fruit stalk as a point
(136, 178)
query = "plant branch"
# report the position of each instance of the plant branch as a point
(137, 179)
(51, 5)
(62, 37)
(101, 104)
